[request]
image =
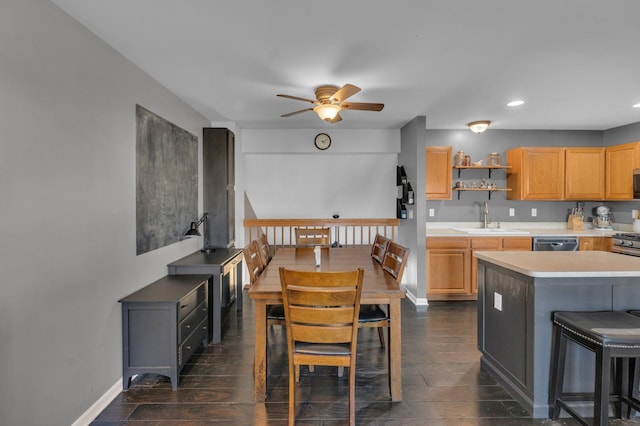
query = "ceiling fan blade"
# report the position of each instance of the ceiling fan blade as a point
(297, 98)
(362, 106)
(336, 118)
(297, 112)
(344, 92)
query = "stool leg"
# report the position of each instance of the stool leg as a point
(603, 378)
(558, 357)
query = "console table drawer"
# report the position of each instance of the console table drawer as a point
(191, 344)
(189, 324)
(189, 303)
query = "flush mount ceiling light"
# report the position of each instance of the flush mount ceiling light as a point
(637, 105)
(479, 126)
(515, 103)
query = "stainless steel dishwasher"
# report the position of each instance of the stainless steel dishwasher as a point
(555, 243)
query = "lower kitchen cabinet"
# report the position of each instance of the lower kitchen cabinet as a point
(594, 243)
(451, 268)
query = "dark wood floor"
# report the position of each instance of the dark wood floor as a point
(442, 381)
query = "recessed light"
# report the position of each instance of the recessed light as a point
(636, 106)
(515, 103)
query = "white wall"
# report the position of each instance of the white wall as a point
(67, 210)
(285, 176)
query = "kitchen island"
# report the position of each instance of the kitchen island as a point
(517, 295)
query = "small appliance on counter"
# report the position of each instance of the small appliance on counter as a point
(602, 219)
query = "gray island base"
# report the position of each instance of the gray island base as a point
(517, 294)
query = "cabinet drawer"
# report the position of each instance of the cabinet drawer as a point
(189, 324)
(517, 243)
(447, 243)
(187, 349)
(193, 299)
(486, 243)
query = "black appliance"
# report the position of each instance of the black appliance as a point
(555, 244)
(636, 183)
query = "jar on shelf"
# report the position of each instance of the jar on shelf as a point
(494, 159)
(459, 158)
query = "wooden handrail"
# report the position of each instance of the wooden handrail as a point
(344, 232)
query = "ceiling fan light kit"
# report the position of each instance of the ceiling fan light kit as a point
(327, 112)
(479, 126)
(330, 101)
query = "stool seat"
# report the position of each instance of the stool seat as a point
(608, 328)
(614, 337)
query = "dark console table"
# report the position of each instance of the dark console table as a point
(225, 266)
(162, 326)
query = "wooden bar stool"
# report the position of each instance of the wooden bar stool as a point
(612, 336)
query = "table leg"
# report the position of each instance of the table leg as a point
(260, 357)
(395, 350)
(216, 310)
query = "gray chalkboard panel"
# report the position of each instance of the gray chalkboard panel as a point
(166, 181)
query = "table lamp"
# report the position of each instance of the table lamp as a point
(193, 231)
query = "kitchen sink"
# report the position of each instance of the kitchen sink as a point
(491, 231)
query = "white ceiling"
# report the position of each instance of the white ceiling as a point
(576, 63)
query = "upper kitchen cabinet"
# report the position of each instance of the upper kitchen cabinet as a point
(584, 174)
(536, 173)
(218, 178)
(438, 173)
(620, 162)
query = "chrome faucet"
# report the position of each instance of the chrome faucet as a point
(485, 214)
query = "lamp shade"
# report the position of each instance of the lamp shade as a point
(193, 231)
(327, 111)
(479, 126)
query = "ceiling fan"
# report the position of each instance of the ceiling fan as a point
(330, 101)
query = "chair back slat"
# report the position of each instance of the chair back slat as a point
(379, 248)
(314, 316)
(313, 334)
(308, 237)
(395, 260)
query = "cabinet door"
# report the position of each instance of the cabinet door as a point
(448, 271)
(536, 173)
(620, 162)
(438, 173)
(584, 173)
(594, 243)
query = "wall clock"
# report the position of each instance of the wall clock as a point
(322, 141)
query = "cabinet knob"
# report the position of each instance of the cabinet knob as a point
(188, 326)
(188, 347)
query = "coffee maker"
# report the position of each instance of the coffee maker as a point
(602, 219)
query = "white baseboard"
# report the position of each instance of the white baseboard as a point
(90, 415)
(422, 301)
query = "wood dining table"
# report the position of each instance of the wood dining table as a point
(379, 288)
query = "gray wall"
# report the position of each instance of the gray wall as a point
(467, 209)
(67, 228)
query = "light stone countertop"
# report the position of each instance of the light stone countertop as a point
(555, 264)
(531, 229)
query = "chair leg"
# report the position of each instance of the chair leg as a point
(381, 336)
(557, 371)
(292, 393)
(603, 377)
(352, 394)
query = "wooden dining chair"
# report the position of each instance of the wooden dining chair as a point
(321, 311)
(275, 313)
(252, 260)
(264, 250)
(379, 247)
(394, 262)
(311, 237)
